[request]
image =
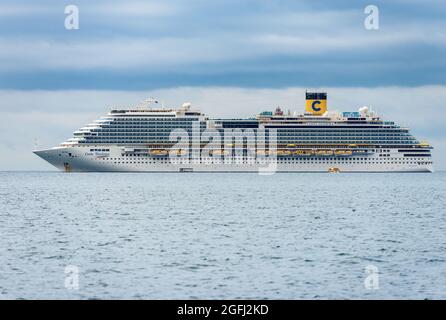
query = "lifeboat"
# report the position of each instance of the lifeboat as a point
(283, 152)
(158, 152)
(181, 152)
(262, 152)
(343, 152)
(220, 152)
(360, 152)
(334, 170)
(303, 152)
(324, 152)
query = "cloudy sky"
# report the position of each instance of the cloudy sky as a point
(230, 58)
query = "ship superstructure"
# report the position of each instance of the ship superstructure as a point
(149, 139)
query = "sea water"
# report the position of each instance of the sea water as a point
(222, 236)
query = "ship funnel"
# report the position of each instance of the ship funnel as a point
(316, 102)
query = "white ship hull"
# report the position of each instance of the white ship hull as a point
(81, 159)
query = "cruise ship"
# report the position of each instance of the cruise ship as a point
(148, 138)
